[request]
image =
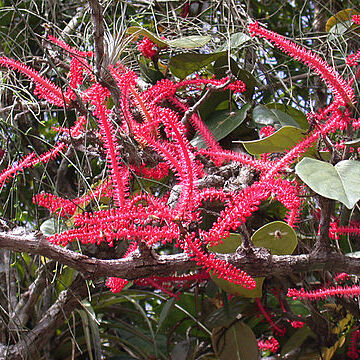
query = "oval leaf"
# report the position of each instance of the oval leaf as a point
(236, 40)
(277, 236)
(340, 182)
(182, 65)
(296, 114)
(237, 342)
(340, 17)
(137, 30)
(189, 42)
(264, 116)
(221, 124)
(229, 245)
(281, 140)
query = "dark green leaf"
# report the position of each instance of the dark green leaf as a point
(296, 340)
(296, 114)
(182, 65)
(237, 342)
(222, 123)
(262, 116)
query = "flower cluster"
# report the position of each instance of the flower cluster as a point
(270, 344)
(148, 48)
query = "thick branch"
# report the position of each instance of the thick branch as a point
(258, 263)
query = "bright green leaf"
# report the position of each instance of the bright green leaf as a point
(189, 42)
(340, 182)
(277, 236)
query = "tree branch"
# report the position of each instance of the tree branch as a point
(258, 263)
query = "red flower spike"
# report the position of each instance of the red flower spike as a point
(343, 93)
(348, 291)
(44, 88)
(275, 328)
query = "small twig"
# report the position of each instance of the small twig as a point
(210, 89)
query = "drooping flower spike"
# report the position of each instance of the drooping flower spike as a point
(344, 94)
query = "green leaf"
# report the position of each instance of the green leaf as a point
(281, 140)
(226, 315)
(229, 245)
(236, 40)
(182, 65)
(165, 312)
(189, 42)
(264, 116)
(186, 42)
(296, 340)
(295, 114)
(277, 236)
(137, 30)
(221, 66)
(340, 17)
(237, 342)
(51, 226)
(221, 124)
(340, 182)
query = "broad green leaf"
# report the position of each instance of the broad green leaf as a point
(296, 340)
(281, 140)
(184, 350)
(296, 114)
(263, 116)
(189, 42)
(229, 245)
(277, 236)
(150, 75)
(186, 42)
(236, 40)
(237, 342)
(340, 17)
(340, 182)
(137, 30)
(226, 315)
(222, 123)
(182, 65)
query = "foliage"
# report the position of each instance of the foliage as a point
(192, 164)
